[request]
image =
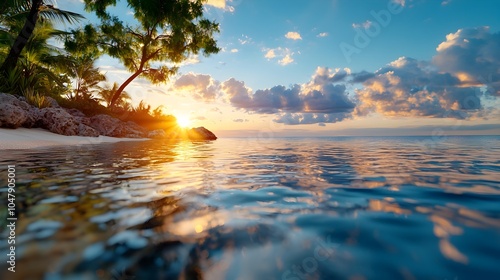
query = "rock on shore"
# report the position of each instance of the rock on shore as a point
(201, 133)
(15, 112)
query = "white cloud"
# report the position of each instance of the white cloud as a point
(323, 34)
(411, 88)
(284, 55)
(293, 36)
(221, 4)
(473, 56)
(234, 50)
(364, 25)
(286, 60)
(203, 87)
(400, 2)
(270, 54)
(455, 84)
(446, 2)
(317, 101)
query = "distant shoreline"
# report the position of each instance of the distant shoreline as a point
(33, 138)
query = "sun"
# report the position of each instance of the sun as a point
(183, 121)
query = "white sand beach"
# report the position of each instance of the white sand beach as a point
(24, 138)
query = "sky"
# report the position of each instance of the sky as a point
(335, 67)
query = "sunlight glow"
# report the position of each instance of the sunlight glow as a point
(183, 121)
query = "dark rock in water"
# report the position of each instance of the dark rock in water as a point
(201, 133)
(109, 126)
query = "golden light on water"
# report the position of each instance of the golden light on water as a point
(183, 121)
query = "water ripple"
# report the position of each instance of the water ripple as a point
(346, 208)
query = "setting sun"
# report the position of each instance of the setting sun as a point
(183, 121)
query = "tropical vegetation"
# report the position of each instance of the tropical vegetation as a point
(38, 60)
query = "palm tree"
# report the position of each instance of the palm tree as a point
(86, 77)
(108, 92)
(28, 11)
(41, 66)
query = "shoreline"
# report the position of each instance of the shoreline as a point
(33, 138)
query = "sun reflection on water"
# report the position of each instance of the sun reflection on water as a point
(185, 209)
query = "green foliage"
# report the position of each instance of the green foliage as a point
(36, 99)
(88, 106)
(11, 82)
(86, 77)
(41, 66)
(21, 19)
(106, 95)
(83, 42)
(165, 32)
(18, 10)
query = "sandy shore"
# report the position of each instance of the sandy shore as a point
(24, 138)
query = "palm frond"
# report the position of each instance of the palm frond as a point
(56, 14)
(47, 12)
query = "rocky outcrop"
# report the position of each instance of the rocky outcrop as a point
(157, 134)
(75, 113)
(12, 116)
(201, 133)
(84, 130)
(16, 112)
(109, 126)
(52, 102)
(58, 120)
(13, 112)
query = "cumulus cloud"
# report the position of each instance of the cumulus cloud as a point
(234, 50)
(286, 60)
(320, 100)
(202, 87)
(323, 34)
(455, 84)
(236, 93)
(284, 55)
(408, 87)
(310, 118)
(473, 56)
(270, 54)
(293, 35)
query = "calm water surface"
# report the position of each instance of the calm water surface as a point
(328, 208)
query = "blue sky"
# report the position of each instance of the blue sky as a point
(290, 50)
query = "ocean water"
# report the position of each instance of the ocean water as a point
(289, 208)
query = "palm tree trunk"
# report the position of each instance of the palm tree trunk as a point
(15, 52)
(123, 86)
